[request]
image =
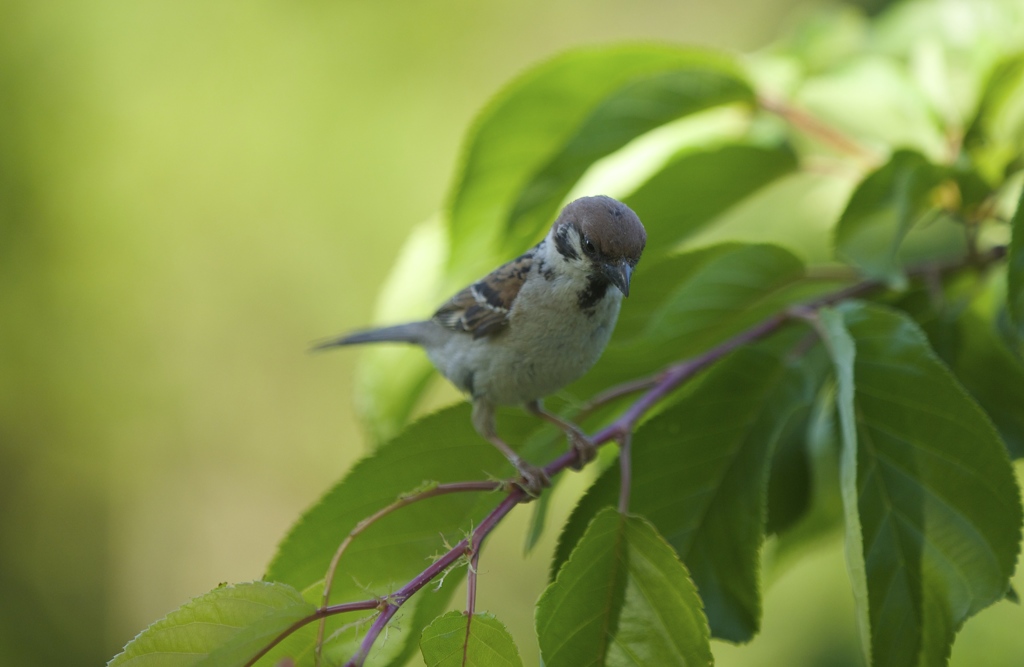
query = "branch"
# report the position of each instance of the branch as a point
(393, 602)
(815, 127)
(615, 393)
(322, 612)
(405, 500)
(657, 388)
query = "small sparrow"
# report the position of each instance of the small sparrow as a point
(533, 325)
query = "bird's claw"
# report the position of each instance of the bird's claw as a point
(532, 479)
(584, 449)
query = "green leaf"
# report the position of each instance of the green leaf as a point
(698, 185)
(995, 137)
(789, 480)
(822, 518)
(874, 100)
(825, 39)
(882, 211)
(227, 626)
(622, 598)
(1015, 270)
(545, 129)
(993, 376)
(975, 352)
(447, 643)
(538, 521)
(959, 327)
(440, 448)
(928, 482)
(842, 348)
(700, 474)
(687, 303)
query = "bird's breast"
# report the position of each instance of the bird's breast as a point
(550, 342)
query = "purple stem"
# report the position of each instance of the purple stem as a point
(471, 584)
(671, 379)
(322, 612)
(474, 562)
(394, 601)
(404, 501)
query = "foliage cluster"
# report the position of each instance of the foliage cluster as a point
(836, 246)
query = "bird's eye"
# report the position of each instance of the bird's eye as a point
(588, 246)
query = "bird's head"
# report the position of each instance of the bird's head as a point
(602, 236)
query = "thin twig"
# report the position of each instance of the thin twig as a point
(474, 562)
(831, 274)
(322, 612)
(813, 126)
(615, 393)
(403, 501)
(471, 578)
(394, 601)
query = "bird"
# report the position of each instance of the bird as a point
(532, 325)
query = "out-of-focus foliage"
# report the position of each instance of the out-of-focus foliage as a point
(894, 393)
(190, 193)
(886, 148)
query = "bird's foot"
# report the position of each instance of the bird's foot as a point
(580, 444)
(532, 479)
(584, 449)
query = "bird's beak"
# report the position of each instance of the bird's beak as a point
(619, 275)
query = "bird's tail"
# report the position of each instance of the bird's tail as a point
(412, 332)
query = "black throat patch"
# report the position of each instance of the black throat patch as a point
(589, 296)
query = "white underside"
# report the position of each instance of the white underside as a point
(548, 343)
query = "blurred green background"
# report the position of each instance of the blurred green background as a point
(192, 191)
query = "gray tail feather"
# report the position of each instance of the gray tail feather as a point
(411, 332)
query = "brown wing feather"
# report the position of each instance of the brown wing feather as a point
(482, 308)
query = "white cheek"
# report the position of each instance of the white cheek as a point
(566, 268)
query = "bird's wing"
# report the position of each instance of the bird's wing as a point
(482, 309)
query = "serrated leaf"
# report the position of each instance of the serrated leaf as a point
(546, 128)
(538, 520)
(842, 348)
(882, 211)
(698, 185)
(789, 479)
(487, 643)
(226, 627)
(1015, 271)
(823, 517)
(699, 475)
(442, 447)
(687, 303)
(960, 329)
(994, 377)
(622, 598)
(931, 488)
(988, 370)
